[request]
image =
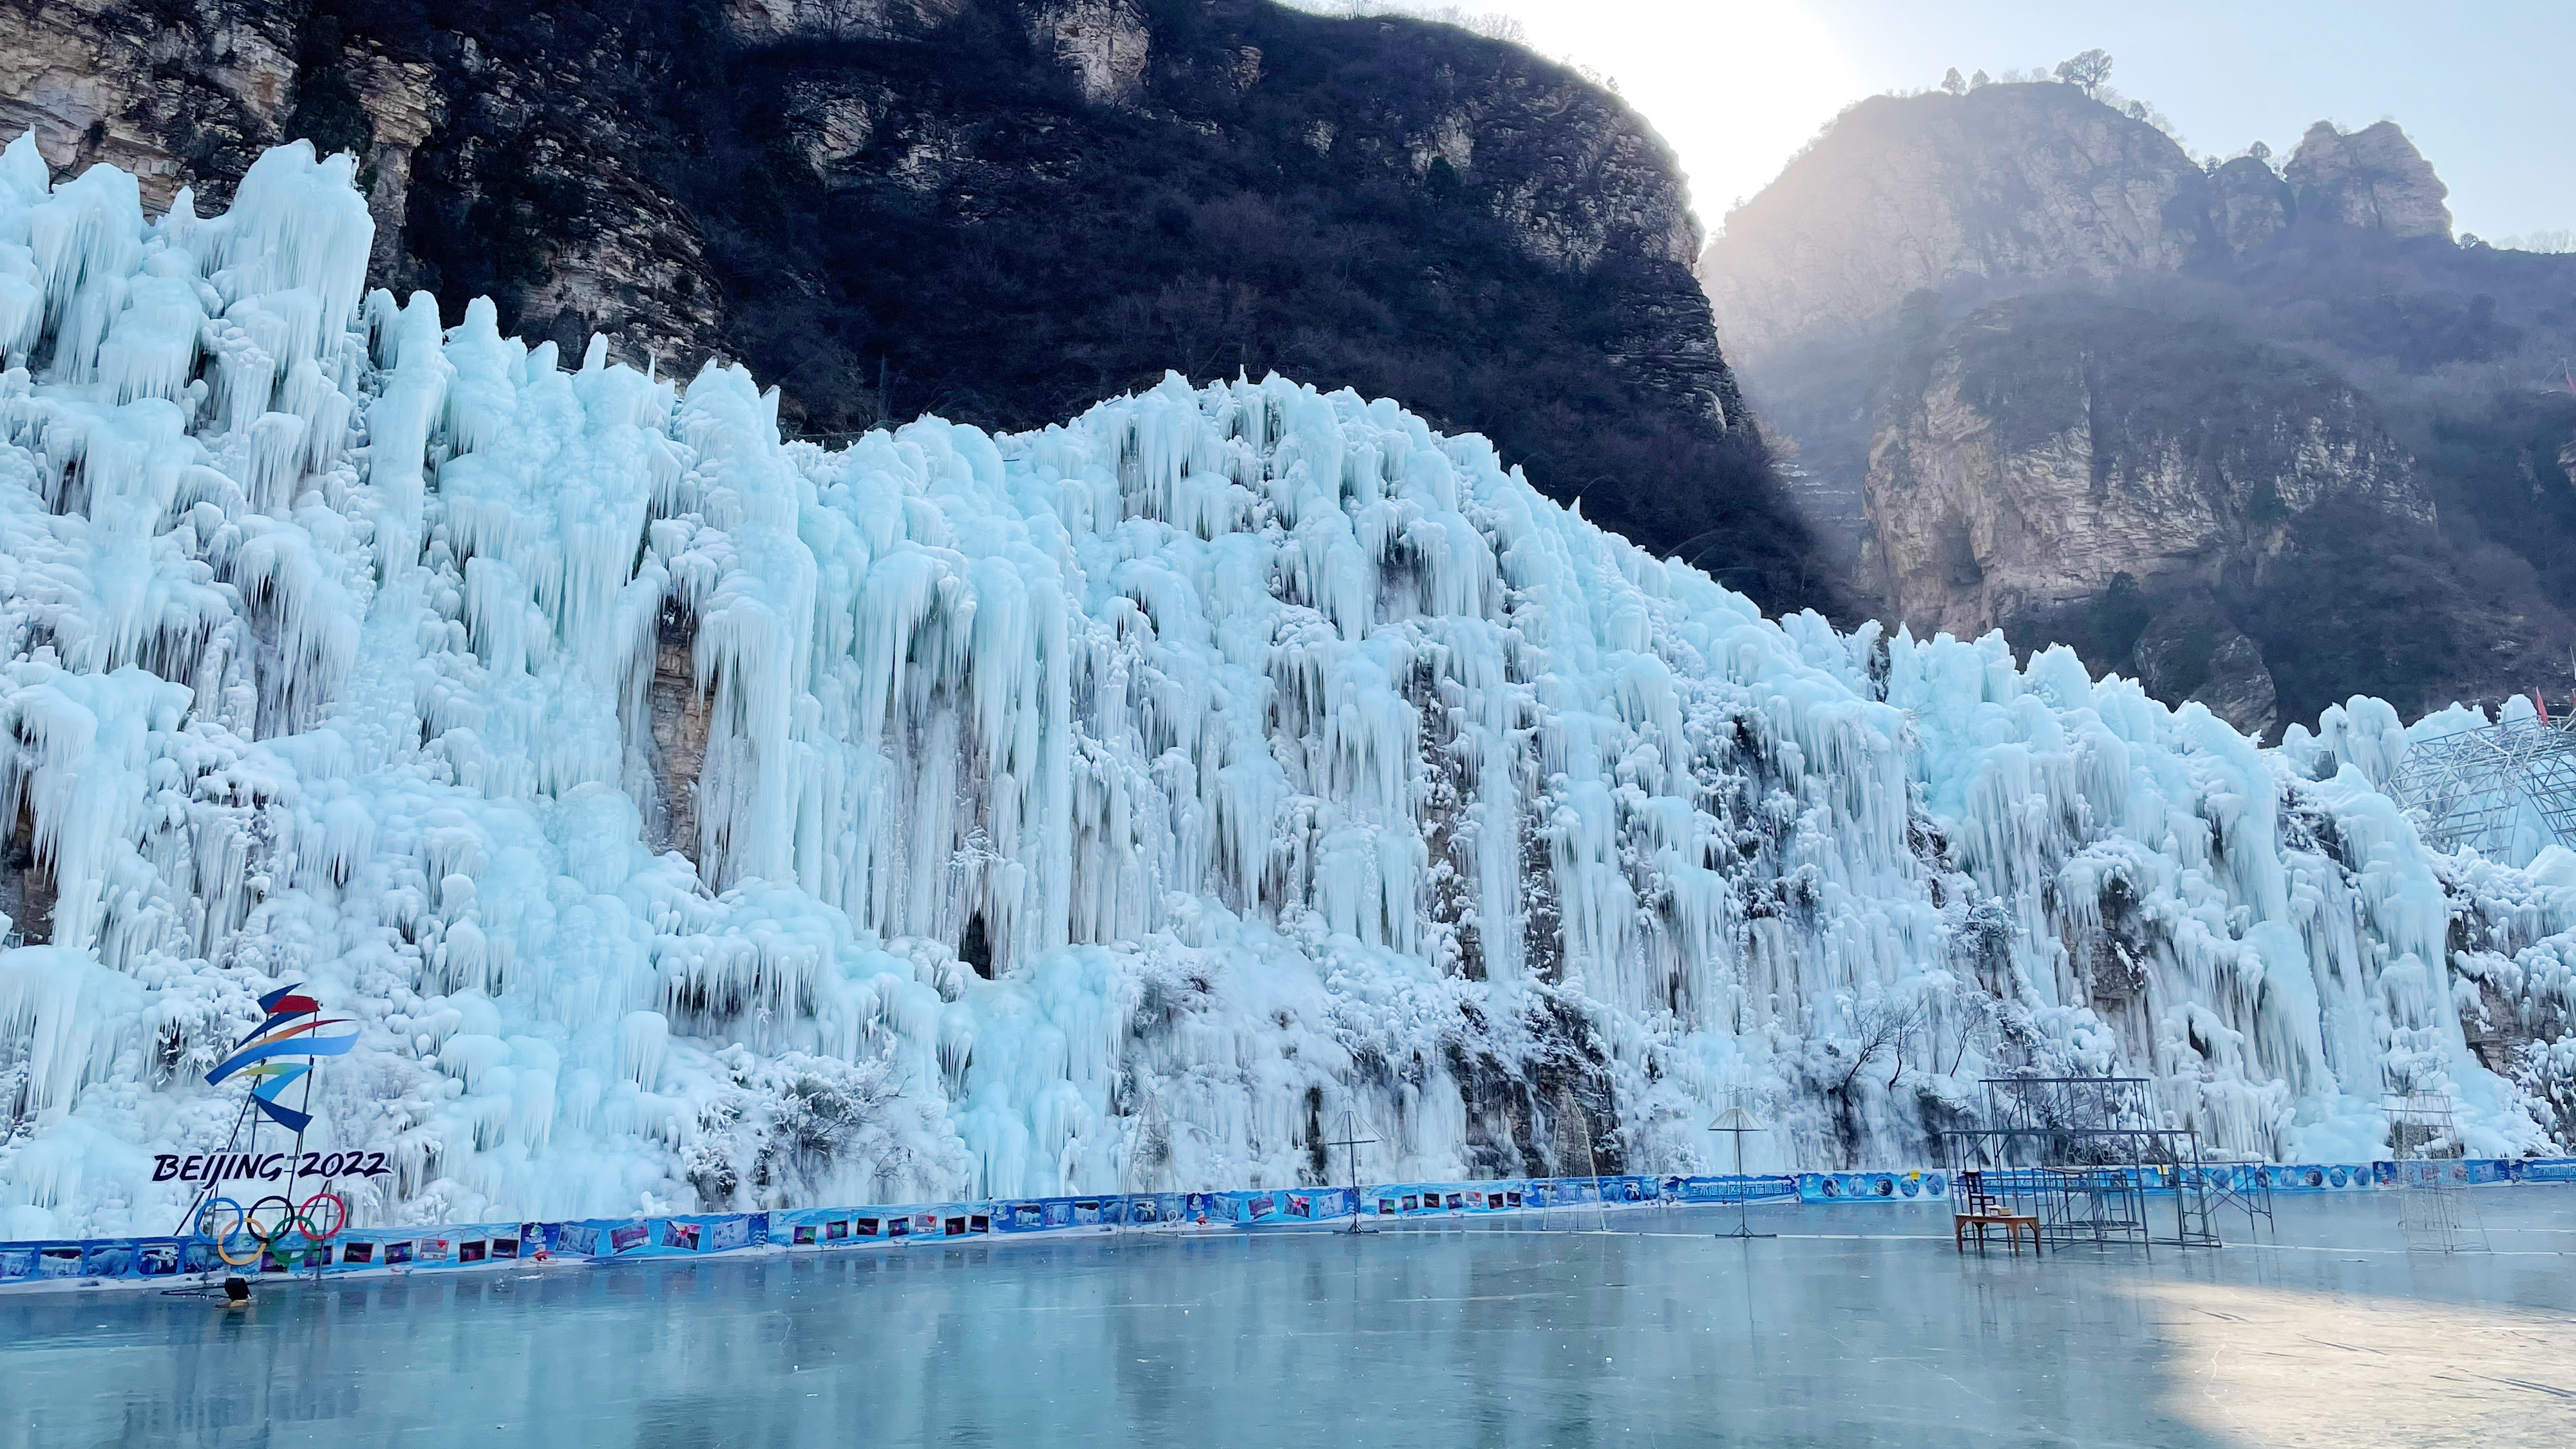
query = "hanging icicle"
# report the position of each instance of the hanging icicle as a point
(680, 815)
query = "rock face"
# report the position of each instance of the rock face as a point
(1105, 43)
(2030, 182)
(2372, 178)
(2054, 444)
(2043, 374)
(769, 21)
(174, 104)
(2022, 184)
(2250, 203)
(192, 103)
(2053, 450)
(864, 198)
(2196, 654)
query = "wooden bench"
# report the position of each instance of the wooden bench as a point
(1981, 1209)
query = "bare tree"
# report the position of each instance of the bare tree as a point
(2086, 72)
(1881, 1027)
(1974, 1015)
(1491, 24)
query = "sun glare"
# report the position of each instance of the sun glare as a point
(1733, 88)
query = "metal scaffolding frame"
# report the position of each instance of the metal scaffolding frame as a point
(2243, 1187)
(2434, 1208)
(2478, 787)
(1571, 1140)
(2081, 1155)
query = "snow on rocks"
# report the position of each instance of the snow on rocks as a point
(687, 815)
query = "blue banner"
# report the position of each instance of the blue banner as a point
(1279, 1207)
(1731, 1189)
(474, 1245)
(1060, 1214)
(460, 1245)
(1872, 1186)
(1414, 1199)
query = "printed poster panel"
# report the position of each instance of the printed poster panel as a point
(835, 1227)
(943, 1222)
(1058, 1214)
(1415, 1199)
(1867, 1187)
(1730, 1189)
(1148, 1210)
(456, 1245)
(2329, 1176)
(1281, 1207)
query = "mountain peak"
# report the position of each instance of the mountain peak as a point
(2373, 178)
(1901, 193)
(2026, 182)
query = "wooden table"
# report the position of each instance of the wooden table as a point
(2012, 1224)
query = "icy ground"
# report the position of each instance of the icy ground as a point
(690, 819)
(1857, 1326)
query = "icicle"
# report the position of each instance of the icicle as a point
(1216, 758)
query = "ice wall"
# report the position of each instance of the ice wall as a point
(691, 817)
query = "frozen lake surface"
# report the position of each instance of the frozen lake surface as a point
(1857, 1325)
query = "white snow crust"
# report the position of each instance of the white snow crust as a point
(636, 780)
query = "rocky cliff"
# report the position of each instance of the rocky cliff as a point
(2258, 437)
(993, 209)
(2030, 182)
(2055, 446)
(2014, 185)
(2373, 178)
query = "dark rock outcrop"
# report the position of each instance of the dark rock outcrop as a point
(2250, 203)
(2194, 653)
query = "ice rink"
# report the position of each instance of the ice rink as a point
(1855, 1325)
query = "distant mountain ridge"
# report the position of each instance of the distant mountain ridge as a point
(2265, 438)
(2028, 183)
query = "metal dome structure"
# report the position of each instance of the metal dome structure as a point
(2506, 789)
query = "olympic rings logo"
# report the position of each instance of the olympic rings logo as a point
(265, 1224)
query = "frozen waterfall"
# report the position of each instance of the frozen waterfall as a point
(691, 817)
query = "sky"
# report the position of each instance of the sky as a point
(2483, 86)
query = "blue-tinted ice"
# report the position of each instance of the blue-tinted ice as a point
(1870, 1331)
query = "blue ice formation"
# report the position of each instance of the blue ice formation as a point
(693, 819)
